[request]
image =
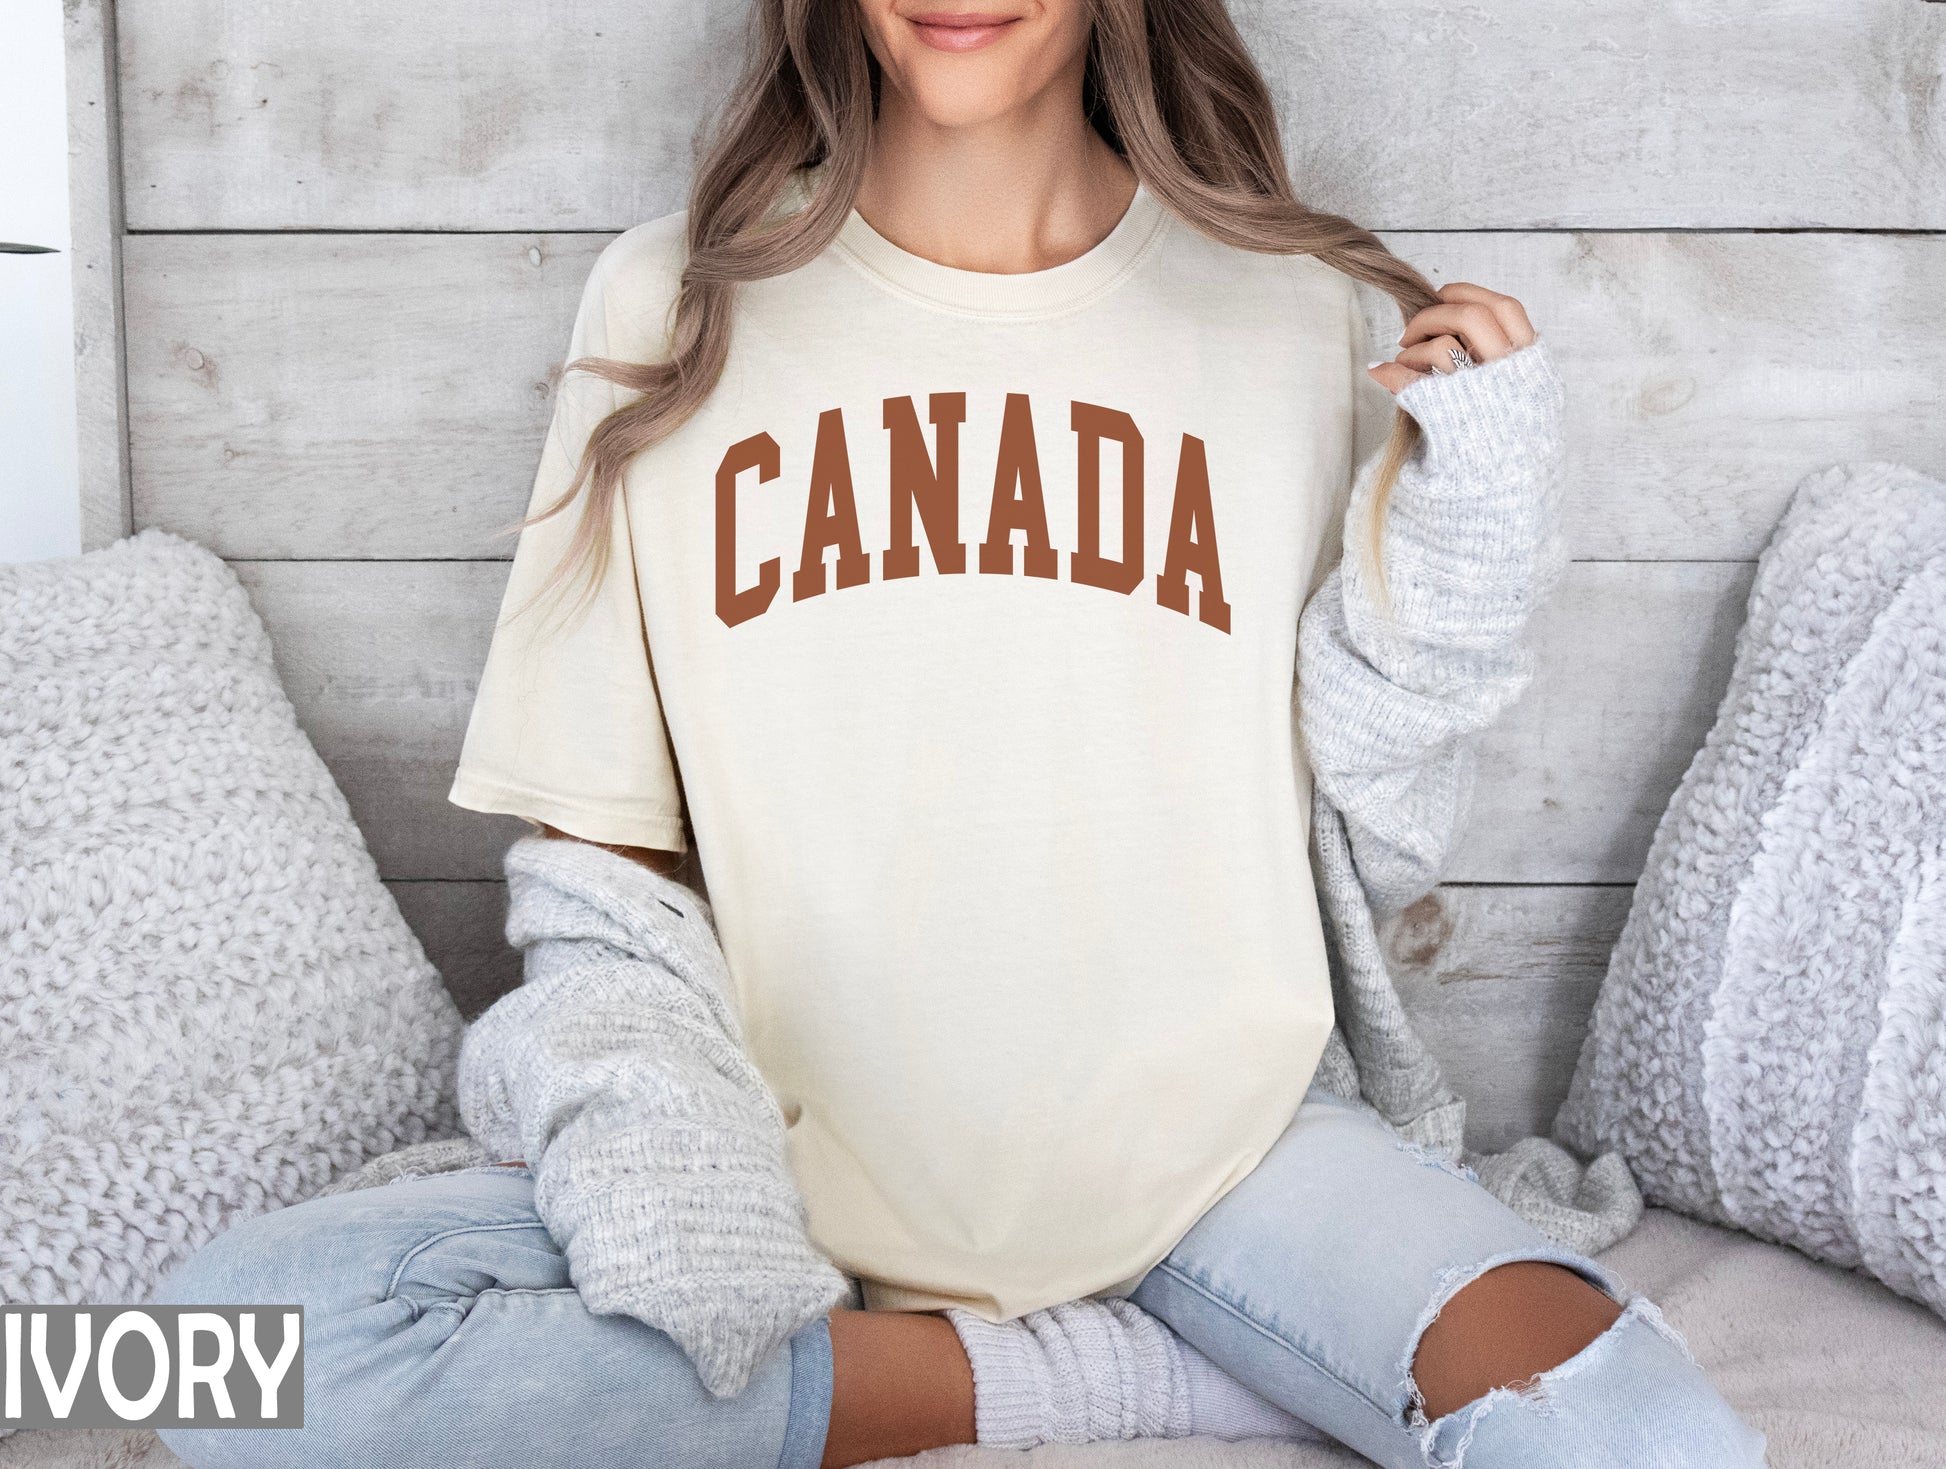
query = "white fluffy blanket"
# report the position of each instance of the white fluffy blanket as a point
(1834, 1368)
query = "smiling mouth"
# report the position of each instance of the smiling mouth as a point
(960, 31)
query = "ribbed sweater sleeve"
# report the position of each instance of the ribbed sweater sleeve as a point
(1393, 683)
(618, 1072)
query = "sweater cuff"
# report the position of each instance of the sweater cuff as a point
(603, 880)
(1493, 404)
(1472, 526)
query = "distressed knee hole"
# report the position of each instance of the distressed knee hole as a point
(1505, 1343)
(1443, 1441)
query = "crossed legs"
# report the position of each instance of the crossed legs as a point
(1391, 1302)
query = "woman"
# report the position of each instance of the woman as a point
(998, 793)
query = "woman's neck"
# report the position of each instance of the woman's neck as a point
(1026, 191)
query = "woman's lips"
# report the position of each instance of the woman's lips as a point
(956, 31)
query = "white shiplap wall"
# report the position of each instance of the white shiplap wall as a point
(356, 234)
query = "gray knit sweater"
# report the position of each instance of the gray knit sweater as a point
(1392, 686)
(617, 1069)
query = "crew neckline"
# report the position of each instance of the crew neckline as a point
(1064, 287)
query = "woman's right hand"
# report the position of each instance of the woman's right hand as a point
(1484, 324)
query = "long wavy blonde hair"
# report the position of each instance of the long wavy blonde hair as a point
(1169, 85)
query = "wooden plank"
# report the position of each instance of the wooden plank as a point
(345, 396)
(495, 114)
(1632, 661)
(381, 660)
(463, 926)
(385, 396)
(447, 114)
(1707, 374)
(95, 234)
(1501, 981)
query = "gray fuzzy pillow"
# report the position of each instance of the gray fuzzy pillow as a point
(209, 1004)
(1769, 1047)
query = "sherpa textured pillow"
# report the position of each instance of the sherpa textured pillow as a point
(209, 1004)
(1769, 1047)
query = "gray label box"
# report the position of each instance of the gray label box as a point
(151, 1366)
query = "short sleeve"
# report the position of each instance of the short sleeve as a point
(566, 726)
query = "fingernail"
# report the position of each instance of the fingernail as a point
(1376, 362)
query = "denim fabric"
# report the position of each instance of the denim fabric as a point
(1312, 1280)
(441, 1328)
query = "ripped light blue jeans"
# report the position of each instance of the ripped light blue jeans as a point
(1312, 1280)
(441, 1328)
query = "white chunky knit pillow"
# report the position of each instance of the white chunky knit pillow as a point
(1769, 1047)
(209, 1004)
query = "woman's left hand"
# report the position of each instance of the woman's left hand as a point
(1483, 323)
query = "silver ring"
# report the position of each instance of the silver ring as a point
(1461, 358)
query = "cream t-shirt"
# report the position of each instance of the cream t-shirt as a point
(961, 621)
